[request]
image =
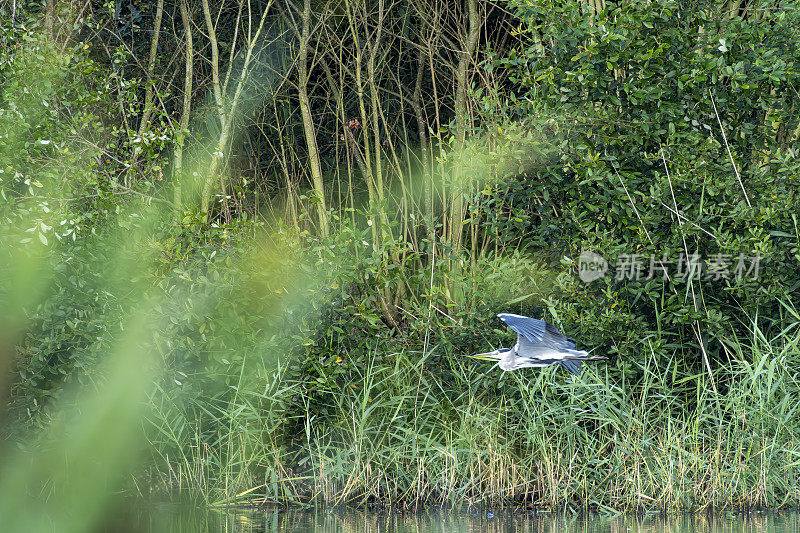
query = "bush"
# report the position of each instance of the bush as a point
(662, 129)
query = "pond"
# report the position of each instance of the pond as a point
(168, 519)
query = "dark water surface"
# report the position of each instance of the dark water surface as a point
(184, 520)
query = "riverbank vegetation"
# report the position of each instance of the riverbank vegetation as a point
(247, 245)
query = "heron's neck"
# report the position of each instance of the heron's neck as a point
(507, 359)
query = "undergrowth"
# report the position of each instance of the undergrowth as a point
(403, 429)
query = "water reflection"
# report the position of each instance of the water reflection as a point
(184, 520)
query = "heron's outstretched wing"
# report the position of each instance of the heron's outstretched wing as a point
(526, 348)
(531, 328)
(537, 331)
(545, 354)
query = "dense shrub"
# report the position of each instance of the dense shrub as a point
(660, 129)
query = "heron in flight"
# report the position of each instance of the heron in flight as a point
(539, 343)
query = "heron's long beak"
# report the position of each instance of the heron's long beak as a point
(488, 355)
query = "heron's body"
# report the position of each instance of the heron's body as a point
(539, 344)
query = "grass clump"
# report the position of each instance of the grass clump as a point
(413, 427)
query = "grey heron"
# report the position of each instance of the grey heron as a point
(539, 344)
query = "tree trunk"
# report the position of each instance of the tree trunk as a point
(422, 132)
(460, 108)
(222, 143)
(50, 18)
(225, 110)
(149, 91)
(308, 120)
(177, 171)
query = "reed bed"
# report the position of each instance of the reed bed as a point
(416, 428)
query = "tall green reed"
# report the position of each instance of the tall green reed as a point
(396, 432)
